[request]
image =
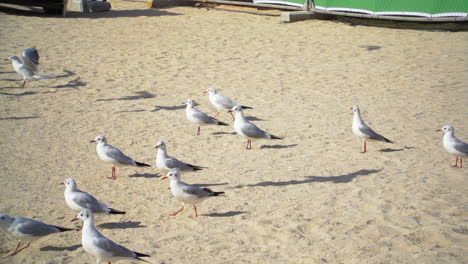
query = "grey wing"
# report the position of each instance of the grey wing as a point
(34, 228)
(206, 119)
(371, 133)
(225, 101)
(461, 146)
(175, 163)
(118, 155)
(113, 249)
(195, 191)
(251, 130)
(31, 59)
(86, 200)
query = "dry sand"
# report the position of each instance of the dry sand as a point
(311, 198)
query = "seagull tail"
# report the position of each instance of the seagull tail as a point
(138, 255)
(276, 137)
(246, 107)
(196, 168)
(113, 211)
(35, 76)
(222, 124)
(387, 140)
(139, 164)
(213, 193)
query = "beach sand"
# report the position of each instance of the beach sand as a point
(310, 198)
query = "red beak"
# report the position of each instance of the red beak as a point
(233, 118)
(74, 219)
(438, 130)
(205, 91)
(163, 178)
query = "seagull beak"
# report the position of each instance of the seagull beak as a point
(205, 91)
(438, 130)
(74, 219)
(92, 141)
(156, 147)
(62, 183)
(183, 102)
(163, 178)
(232, 115)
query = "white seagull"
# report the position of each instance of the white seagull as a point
(114, 156)
(104, 249)
(453, 145)
(221, 102)
(245, 128)
(198, 117)
(78, 200)
(29, 66)
(26, 230)
(360, 129)
(166, 162)
(187, 193)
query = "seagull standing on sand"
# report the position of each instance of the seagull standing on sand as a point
(26, 230)
(360, 129)
(104, 249)
(245, 128)
(29, 66)
(78, 200)
(187, 193)
(198, 117)
(453, 145)
(166, 162)
(113, 155)
(221, 102)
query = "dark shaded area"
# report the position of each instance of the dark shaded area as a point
(335, 179)
(122, 225)
(52, 248)
(226, 214)
(223, 133)
(395, 150)
(71, 84)
(145, 175)
(18, 117)
(19, 94)
(67, 74)
(277, 146)
(170, 108)
(210, 184)
(140, 95)
(253, 118)
(371, 47)
(130, 111)
(150, 12)
(8, 72)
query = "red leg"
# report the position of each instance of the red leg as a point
(113, 177)
(180, 210)
(15, 251)
(195, 208)
(198, 131)
(456, 163)
(21, 249)
(461, 162)
(24, 83)
(365, 147)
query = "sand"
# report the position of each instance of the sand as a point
(310, 198)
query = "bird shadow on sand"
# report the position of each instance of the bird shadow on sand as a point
(75, 83)
(52, 248)
(226, 214)
(18, 117)
(67, 74)
(395, 150)
(210, 184)
(145, 175)
(8, 72)
(19, 94)
(122, 225)
(139, 95)
(309, 179)
(223, 133)
(123, 13)
(277, 146)
(253, 118)
(170, 108)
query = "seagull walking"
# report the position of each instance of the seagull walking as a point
(245, 128)
(187, 193)
(221, 102)
(114, 156)
(166, 162)
(453, 145)
(78, 200)
(360, 129)
(29, 66)
(104, 249)
(198, 117)
(26, 230)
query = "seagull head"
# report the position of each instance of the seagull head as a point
(14, 58)
(161, 145)
(173, 174)
(355, 109)
(236, 109)
(84, 215)
(189, 102)
(210, 91)
(70, 183)
(5, 221)
(447, 129)
(100, 139)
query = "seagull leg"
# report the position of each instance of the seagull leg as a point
(249, 144)
(19, 250)
(456, 163)
(365, 147)
(113, 177)
(195, 208)
(24, 83)
(461, 162)
(180, 210)
(198, 131)
(15, 251)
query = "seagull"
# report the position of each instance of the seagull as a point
(78, 200)
(104, 249)
(28, 66)
(453, 145)
(245, 128)
(113, 155)
(187, 193)
(221, 102)
(166, 162)
(26, 230)
(198, 117)
(360, 129)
